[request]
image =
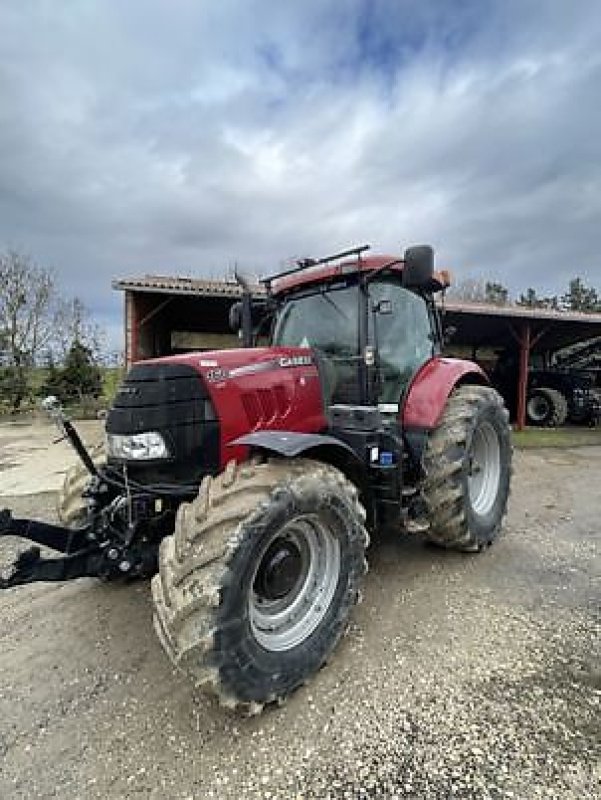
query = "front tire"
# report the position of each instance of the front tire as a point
(71, 506)
(256, 585)
(467, 468)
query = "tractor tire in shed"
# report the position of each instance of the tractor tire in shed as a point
(71, 507)
(467, 470)
(546, 408)
(257, 583)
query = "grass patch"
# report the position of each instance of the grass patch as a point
(86, 408)
(111, 379)
(557, 437)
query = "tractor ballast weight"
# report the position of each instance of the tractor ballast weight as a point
(248, 482)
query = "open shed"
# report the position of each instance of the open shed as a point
(166, 315)
(526, 331)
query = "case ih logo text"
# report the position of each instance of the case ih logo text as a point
(295, 361)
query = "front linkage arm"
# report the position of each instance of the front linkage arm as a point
(96, 550)
(82, 557)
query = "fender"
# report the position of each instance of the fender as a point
(291, 443)
(431, 387)
(322, 447)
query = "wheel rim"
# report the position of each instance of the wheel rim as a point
(484, 472)
(538, 408)
(294, 583)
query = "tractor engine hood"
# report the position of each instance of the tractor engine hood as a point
(264, 388)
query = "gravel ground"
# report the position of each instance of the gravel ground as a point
(460, 676)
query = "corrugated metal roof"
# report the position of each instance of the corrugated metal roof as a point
(182, 285)
(225, 288)
(521, 312)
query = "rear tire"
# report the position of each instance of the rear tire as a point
(546, 408)
(467, 467)
(71, 507)
(256, 585)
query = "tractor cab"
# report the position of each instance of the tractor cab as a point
(371, 321)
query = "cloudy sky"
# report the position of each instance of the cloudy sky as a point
(185, 136)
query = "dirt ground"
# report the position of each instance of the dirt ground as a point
(460, 676)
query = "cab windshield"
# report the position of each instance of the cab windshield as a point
(328, 321)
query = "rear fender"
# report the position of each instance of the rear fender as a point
(431, 387)
(320, 447)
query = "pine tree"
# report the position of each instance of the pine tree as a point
(80, 377)
(496, 294)
(580, 297)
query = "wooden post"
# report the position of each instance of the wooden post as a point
(131, 329)
(523, 375)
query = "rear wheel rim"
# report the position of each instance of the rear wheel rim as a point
(484, 473)
(286, 608)
(538, 408)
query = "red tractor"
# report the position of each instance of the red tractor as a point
(247, 482)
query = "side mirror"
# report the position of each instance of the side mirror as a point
(419, 266)
(246, 316)
(235, 316)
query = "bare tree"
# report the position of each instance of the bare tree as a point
(26, 294)
(472, 290)
(73, 323)
(477, 290)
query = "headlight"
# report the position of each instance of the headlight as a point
(137, 446)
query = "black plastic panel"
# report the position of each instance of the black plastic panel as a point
(170, 399)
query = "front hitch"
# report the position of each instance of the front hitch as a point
(30, 567)
(82, 556)
(99, 548)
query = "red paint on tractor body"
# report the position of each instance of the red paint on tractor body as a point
(278, 388)
(431, 387)
(264, 388)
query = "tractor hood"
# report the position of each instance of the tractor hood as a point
(263, 388)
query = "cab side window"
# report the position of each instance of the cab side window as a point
(404, 338)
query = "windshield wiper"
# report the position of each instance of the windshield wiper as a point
(328, 299)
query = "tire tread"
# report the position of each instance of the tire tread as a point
(193, 562)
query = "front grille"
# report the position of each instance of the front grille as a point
(170, 399)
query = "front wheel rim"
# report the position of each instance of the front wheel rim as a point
(484, 471)
(282, 621)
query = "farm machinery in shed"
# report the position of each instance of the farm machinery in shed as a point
(246, 483)
(563, 386)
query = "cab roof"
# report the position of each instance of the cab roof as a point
(314, 274)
